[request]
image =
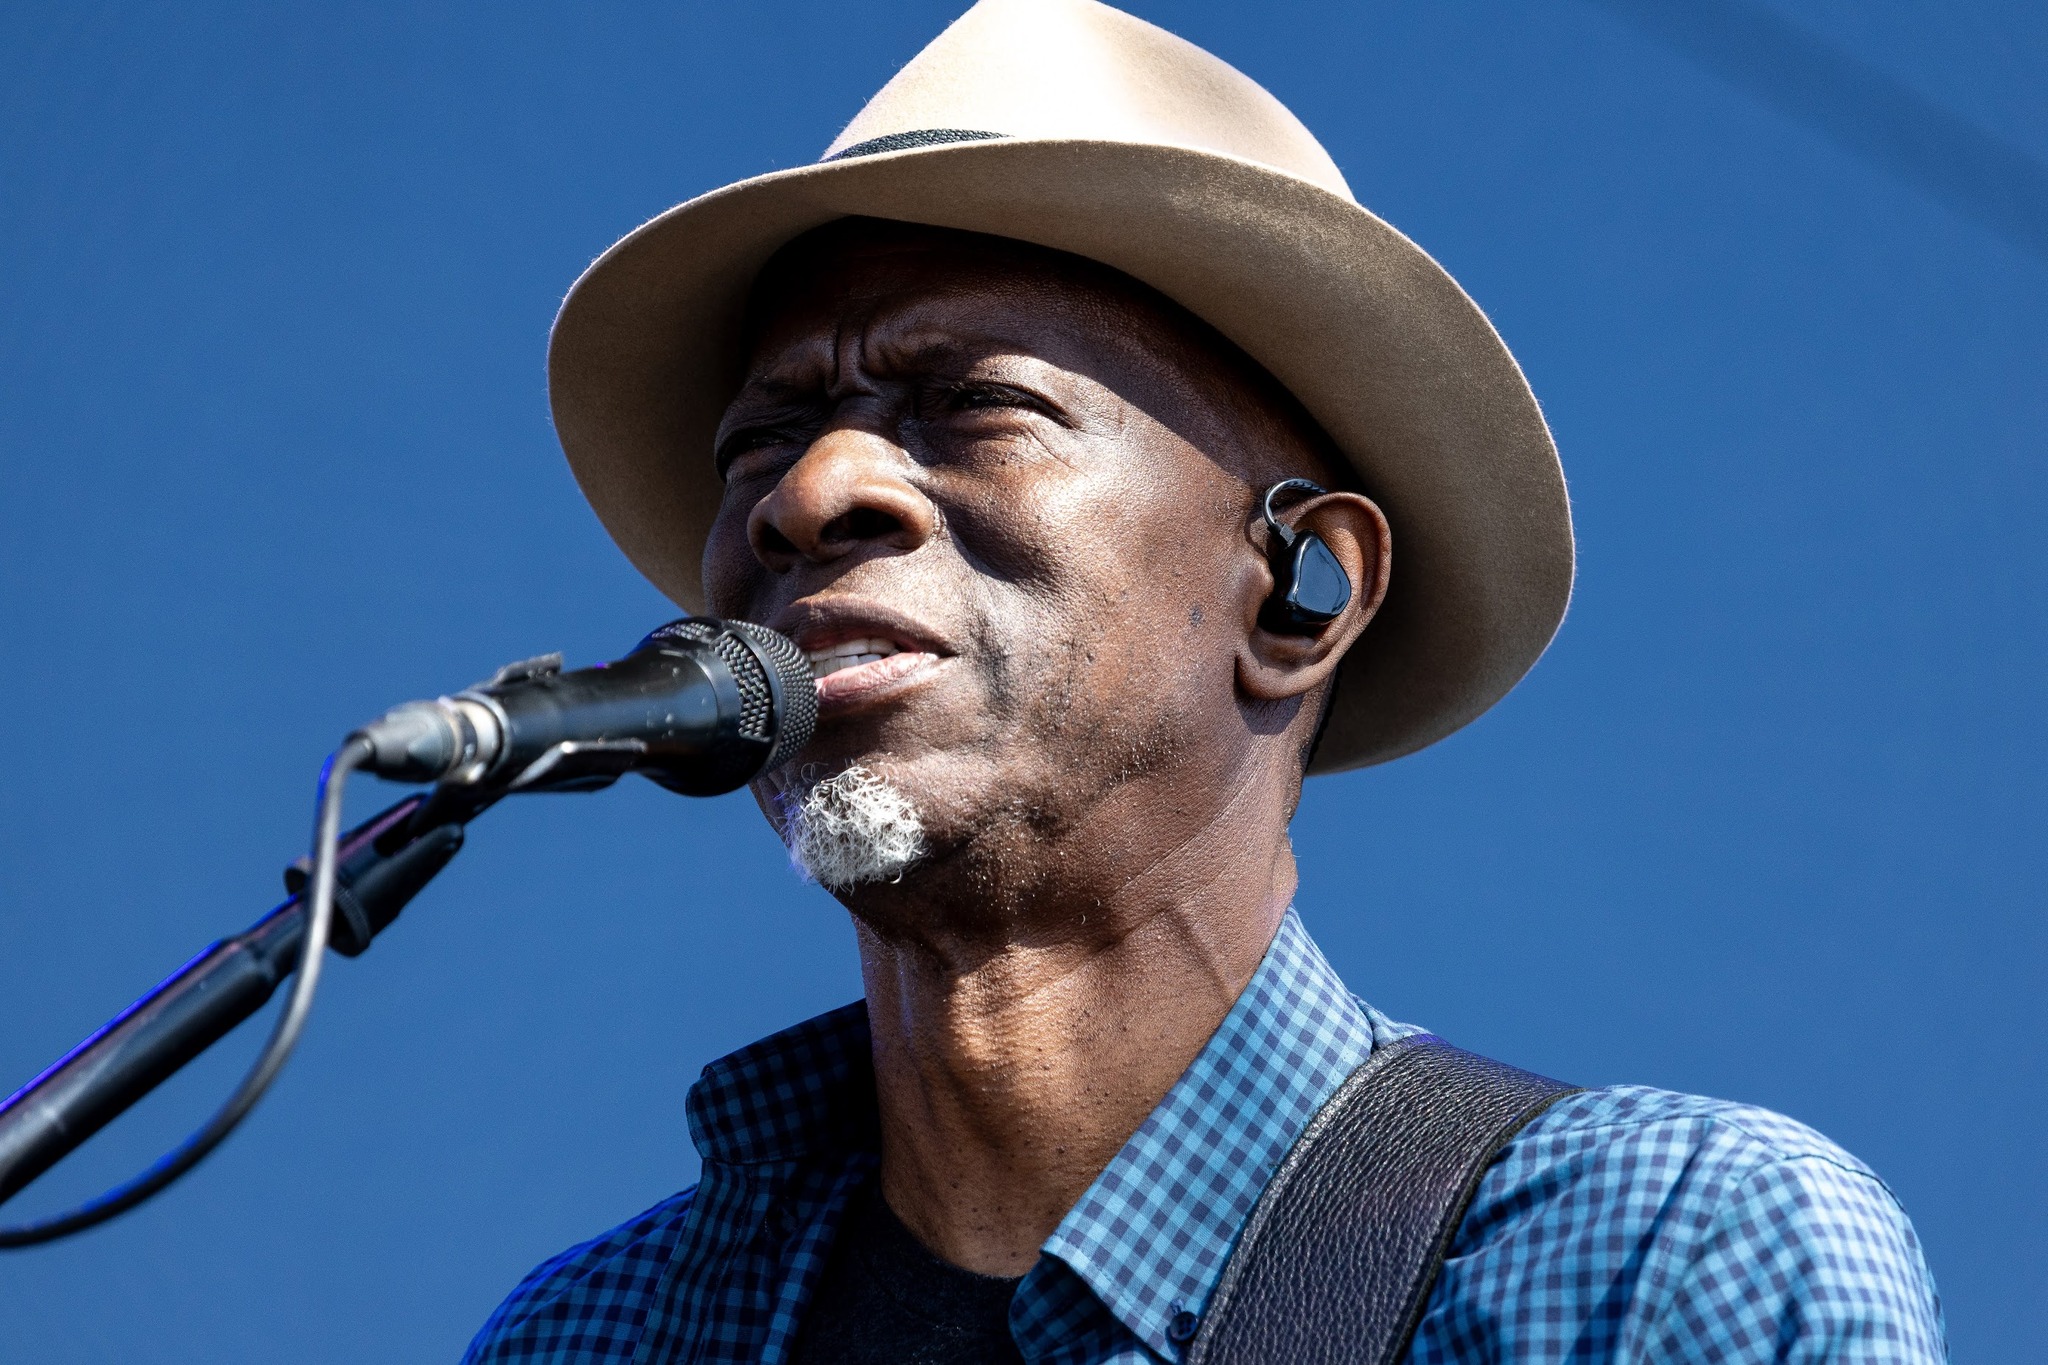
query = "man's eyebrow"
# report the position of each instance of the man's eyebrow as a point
(933, 349)
(763, 391)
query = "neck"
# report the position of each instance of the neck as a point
(1011, 1066)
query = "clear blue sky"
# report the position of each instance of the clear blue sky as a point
(1766, 823)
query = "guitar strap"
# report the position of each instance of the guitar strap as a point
(1336, 1262)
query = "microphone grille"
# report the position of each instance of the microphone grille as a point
(794, 681)
(782, 706)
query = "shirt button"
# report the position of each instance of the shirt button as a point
(1181, 1330)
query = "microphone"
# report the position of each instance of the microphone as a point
(701, 706)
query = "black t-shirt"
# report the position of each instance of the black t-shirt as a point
(885, 1300)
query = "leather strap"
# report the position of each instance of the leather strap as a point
(1336, 1262)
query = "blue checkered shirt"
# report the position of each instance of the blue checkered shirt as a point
(1624, 1224)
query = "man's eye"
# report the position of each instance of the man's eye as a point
(747, 440)
(968, 396)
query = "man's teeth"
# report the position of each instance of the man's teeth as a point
(847, 654)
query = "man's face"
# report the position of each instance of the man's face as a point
(1025, 486)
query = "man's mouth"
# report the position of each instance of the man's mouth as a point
(846, 669)
(850, 654)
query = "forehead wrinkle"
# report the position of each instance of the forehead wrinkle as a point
(952, 328)
(911, 297)
(998, 298)
(849, 349)
(926, 336)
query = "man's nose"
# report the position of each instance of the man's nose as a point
(847, 493)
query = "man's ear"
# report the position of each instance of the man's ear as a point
(1272, 665)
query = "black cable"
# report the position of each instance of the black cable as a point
(283, 1037)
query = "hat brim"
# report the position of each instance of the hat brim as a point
(1380, 345)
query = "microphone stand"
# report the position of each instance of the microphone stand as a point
(699, 706)
(381, 865)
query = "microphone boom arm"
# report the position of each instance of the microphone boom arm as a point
(382, 864)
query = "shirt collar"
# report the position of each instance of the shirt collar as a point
(1151, 1235)
(794, 1095)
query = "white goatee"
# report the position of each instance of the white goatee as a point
(851, 828)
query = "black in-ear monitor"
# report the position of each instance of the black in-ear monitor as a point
(1310, 588)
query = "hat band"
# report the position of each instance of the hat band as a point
(916, 137)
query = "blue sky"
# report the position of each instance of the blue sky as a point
(1766, 823)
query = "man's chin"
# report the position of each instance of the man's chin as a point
(848, 828)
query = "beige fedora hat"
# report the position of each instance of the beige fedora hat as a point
(1076, 126)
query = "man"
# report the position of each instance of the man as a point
(1013, 411)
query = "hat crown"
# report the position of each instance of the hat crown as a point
(1079, 69)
